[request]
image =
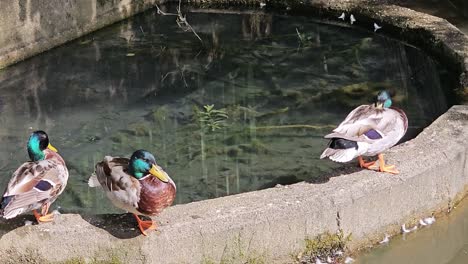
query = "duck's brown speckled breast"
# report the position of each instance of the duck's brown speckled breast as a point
(49, 154)
(155, 195)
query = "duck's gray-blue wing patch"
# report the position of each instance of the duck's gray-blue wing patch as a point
(373, 134)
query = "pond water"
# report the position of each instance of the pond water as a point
(456, 12)
(283, 83)
(446, 241)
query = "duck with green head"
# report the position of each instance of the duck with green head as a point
(137, 185)
(36, 184)
(368, 130)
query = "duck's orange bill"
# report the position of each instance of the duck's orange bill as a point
(52, 148)
(159, 173)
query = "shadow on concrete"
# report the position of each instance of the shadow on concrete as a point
(347, 168)
(321, 178)
(123, 226)
(7, 225)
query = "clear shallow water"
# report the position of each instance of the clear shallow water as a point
(446, 241)
(135, 85)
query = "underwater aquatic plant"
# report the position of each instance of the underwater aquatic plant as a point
(209, 118)
(303, 39)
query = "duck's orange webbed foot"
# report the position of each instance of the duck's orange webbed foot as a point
(386, 168)
(364, 164)
(44, 217)
(145, 225)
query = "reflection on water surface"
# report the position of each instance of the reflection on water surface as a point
(282, 82)
(446, 241)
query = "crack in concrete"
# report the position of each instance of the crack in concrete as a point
(338, 220)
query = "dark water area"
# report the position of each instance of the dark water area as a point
(455, 11)
(277, 85)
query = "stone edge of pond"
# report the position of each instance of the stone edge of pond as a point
(269, 225)
(29, 28)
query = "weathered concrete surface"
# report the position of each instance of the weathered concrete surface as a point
(28, 27)
(272, 223)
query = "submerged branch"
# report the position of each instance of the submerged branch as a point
(181, 20)
(160, 12)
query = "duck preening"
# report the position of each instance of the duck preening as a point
(368, 130)
(36, 184)
(137, 185)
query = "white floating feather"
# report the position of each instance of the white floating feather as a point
(343, 16)
(262, 5)
(429, 220)
(403, 229)
(421, 222)
(376, 27)
(385, 240)
(352, 19)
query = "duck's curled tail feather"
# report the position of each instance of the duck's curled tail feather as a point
(341, 150)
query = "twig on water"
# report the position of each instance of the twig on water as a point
(181, 20)
(160, 12)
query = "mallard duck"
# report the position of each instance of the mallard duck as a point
(36, 183)
(368, 130)
(137, 185)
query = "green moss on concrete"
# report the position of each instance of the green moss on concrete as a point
(237, 260)
(324, 245)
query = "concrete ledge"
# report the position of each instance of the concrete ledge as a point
(271, 223)
(30, 27)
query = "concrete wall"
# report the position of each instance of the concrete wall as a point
(28, 27)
